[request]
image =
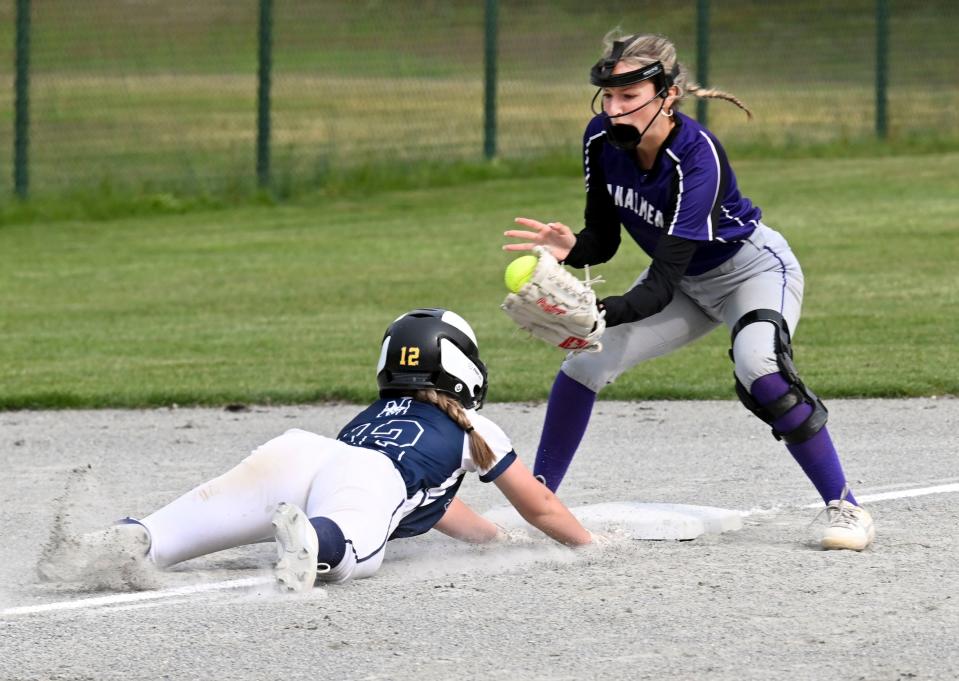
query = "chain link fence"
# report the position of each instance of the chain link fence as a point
(161, 95)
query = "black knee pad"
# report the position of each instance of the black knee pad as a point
(331, 539)
(797, 393)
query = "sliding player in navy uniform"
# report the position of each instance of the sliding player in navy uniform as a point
(667, 181)
(332, 505)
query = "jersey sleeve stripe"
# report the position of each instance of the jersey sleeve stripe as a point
(499, 468)
(589, 143)
(719, 182)
(679, 193)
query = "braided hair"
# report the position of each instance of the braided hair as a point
(480, 451)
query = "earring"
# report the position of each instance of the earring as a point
(667, 114)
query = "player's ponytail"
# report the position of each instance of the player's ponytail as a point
(480, 452)
(646, 49)
(700, 91)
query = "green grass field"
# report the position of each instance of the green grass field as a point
(287, 303)
(147, 269)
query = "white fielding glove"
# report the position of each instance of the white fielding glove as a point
(556, 307)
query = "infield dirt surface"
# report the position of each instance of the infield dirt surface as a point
(760, 603)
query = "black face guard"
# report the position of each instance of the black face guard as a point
(624, 136)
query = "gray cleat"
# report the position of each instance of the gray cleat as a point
(297, 548)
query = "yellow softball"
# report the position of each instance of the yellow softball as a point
(519, 271)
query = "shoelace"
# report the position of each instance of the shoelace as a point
(843, 514)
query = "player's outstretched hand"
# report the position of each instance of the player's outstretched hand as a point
(599, 540)
(513, 536)
(555, 236)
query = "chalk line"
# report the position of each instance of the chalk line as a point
(137, 596)
(899, 494)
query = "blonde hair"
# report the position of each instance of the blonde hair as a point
(480, 451)
(646, 49)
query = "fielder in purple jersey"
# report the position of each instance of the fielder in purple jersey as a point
(331, 505)
(666, 180)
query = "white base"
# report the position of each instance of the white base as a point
(639, 520)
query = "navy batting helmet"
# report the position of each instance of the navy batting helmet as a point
(432, 348)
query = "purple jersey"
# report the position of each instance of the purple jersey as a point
(690, 192)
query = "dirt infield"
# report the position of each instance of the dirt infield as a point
(759, 603)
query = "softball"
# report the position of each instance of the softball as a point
(519, 272)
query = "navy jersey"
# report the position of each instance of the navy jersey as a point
(690, 192)
(429, 450)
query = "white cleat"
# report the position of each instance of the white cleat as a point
(297, 548)
(850, 527)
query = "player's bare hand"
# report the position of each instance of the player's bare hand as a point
(597, 542)
(514, 536)
(555, 236)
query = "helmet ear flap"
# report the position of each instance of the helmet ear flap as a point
(463, 374)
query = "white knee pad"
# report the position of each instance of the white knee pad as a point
(751, 336)
(754, 352)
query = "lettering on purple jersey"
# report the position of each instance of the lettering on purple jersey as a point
(625, 197)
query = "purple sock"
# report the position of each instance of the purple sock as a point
(567, 415)
(816, 456)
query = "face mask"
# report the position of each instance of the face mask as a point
(623, 135)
